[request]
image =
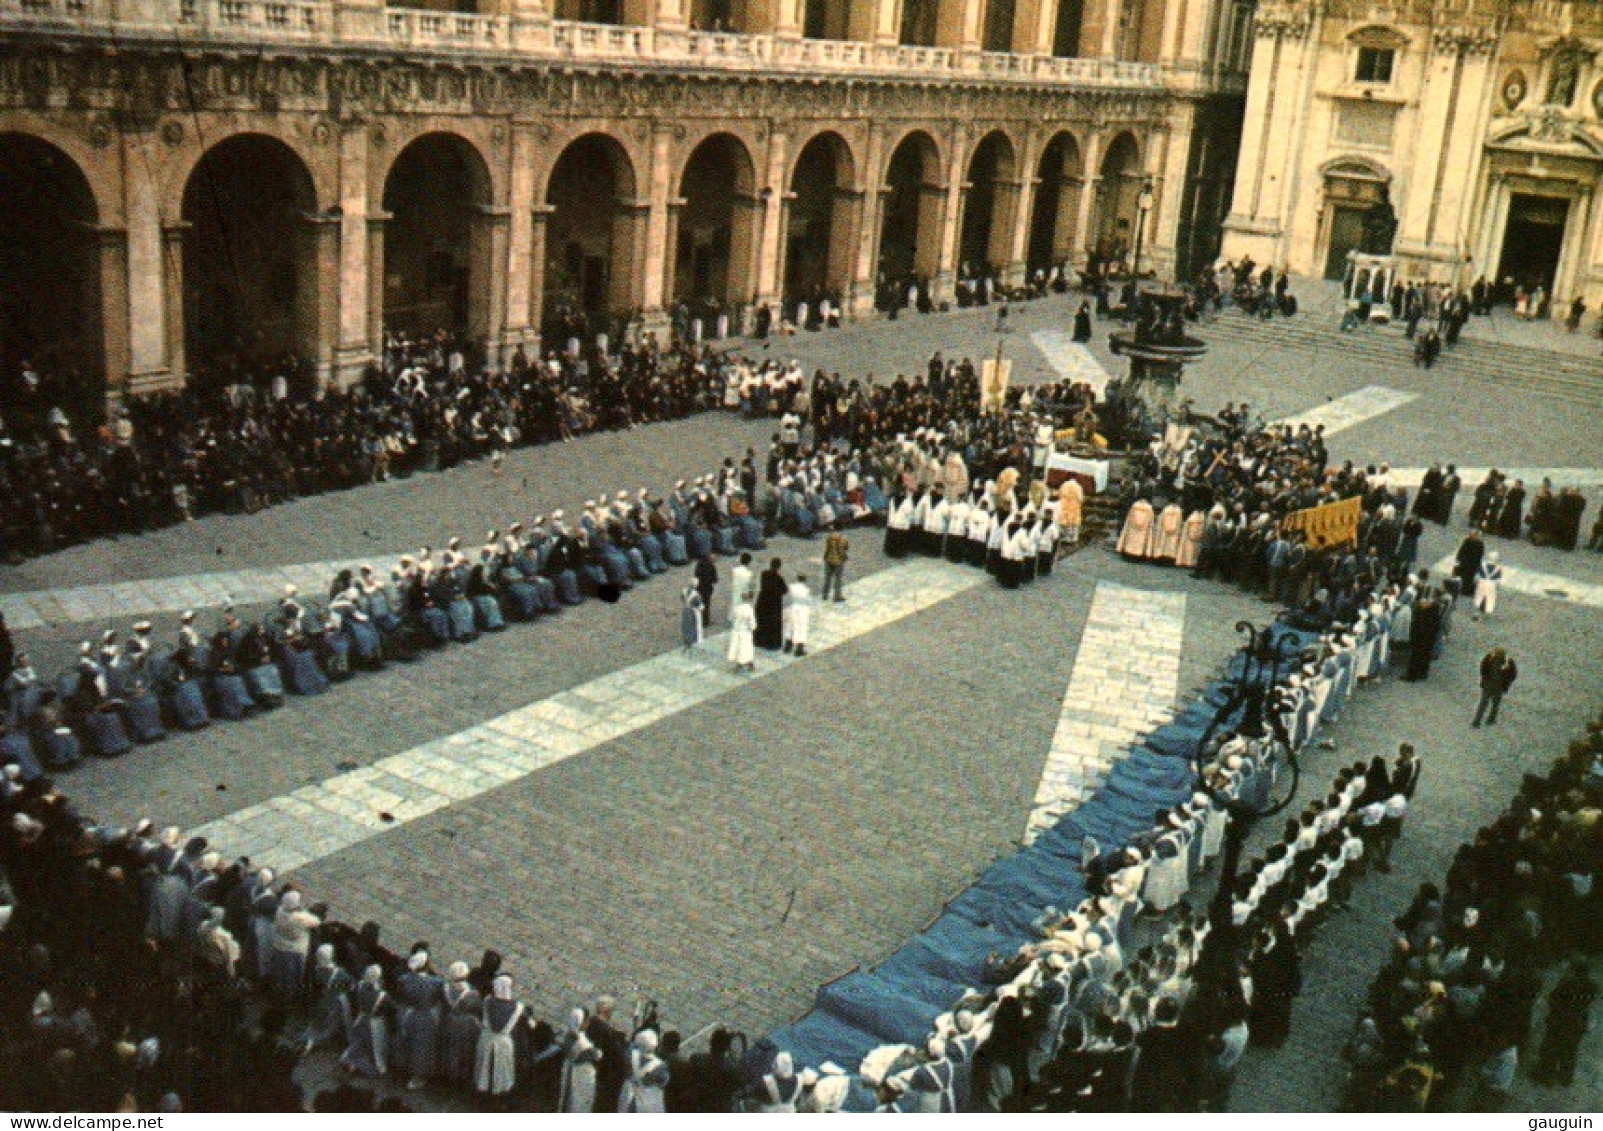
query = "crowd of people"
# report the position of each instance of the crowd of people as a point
(1555, 518)
(169, 458)
(159, 976)
(1450, 1017)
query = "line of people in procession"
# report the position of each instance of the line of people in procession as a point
(1087, 1020)
(151, 975)
(1449, 1021)
(1555, 519)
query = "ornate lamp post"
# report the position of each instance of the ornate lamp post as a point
(1262, 656)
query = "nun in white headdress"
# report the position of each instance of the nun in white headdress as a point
(648, 1076)
(367, 1052)
(579, 1059)
(331, 1007)
(779, 1090)
(462, 1008)
(494, 1068)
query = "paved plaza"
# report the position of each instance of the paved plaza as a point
(615, 816)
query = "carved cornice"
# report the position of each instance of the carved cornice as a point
(1287, 19)
(1464, 39)
(136, 90)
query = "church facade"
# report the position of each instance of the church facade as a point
(189, 187)
(1479, 121)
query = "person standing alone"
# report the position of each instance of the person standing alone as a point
(1497, 676)
(836, 550)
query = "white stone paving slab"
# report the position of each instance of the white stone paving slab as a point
(1471, 477)
(1349, 411)
(1125, 678)
(318, 820)
(1535, 583)
(1070, 359)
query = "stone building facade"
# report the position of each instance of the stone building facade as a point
(186, 183)
(1481, 120)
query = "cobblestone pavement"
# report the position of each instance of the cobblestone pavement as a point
(728, 857)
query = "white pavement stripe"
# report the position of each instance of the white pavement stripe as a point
(1471, 477)
(1351, 410)
(1070, 359)
(318, 820)
(129, 600)
(1534, 583)
(1125, 678)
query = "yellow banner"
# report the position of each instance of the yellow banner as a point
(1334, 524)
(994, 378)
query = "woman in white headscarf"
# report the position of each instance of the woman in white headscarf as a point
(292, 938)
(368, 1051)
(579, 1059)
(495, 1066)
(778, 1091)
(331, 1008)
(648, 1076)
(462, 1008)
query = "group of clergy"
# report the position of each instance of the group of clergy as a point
(989, 527)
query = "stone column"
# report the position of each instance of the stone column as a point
(959, 24)
(317, 304)
(172, 276)
(1434, 211)
(746, 246)
(674, 15)
(845, 233)
(774, 202)
(1065, 229)
(788, 18)
(150, 366)
(376, 283)
(1085, 211)
(956, 189)
(657, 265)
(1111, 11)
(523, 268)
(1022, 203)
(534, 304)
(360, 276)
(670, 259)
(1169, 188)
(881, 22)
(1034, 26)
(112, 245)
(629, 233)
(487, 277)
(860, 300)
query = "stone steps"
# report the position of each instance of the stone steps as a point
(1545, 373)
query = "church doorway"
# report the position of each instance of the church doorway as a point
(1533, 240)
(1346, 234)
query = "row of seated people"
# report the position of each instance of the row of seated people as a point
(118, 696)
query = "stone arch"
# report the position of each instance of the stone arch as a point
(436, 266)
(1059, 177)
(714, 250)
(51, 309)
(910, 224)
(990, 195)
(252, 277)
(1118, 191)
(592, 235)
(821, 221)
